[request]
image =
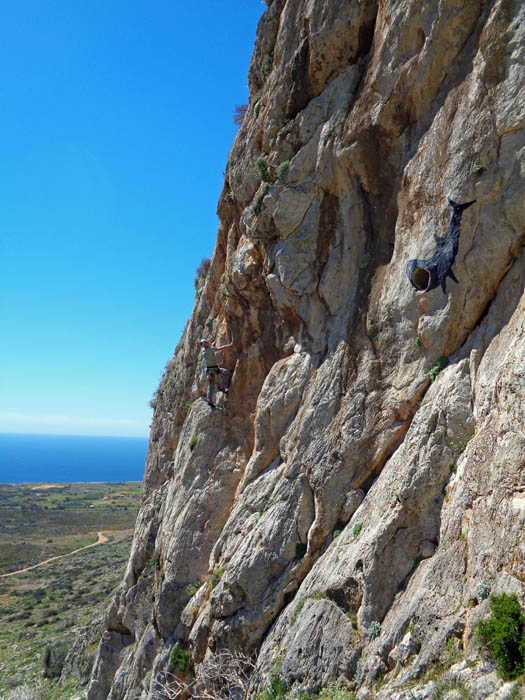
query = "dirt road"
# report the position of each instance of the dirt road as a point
(101, 539)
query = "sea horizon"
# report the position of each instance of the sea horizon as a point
(43, 457)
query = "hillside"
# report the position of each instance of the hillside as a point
(41, 521)
(52, 612)
(347, 513)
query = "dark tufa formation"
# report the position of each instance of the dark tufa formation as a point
(425, 275)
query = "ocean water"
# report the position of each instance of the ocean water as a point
(66, 458)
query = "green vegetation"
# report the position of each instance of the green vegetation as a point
(266, 65)
(216, 577)
(282, 170)
(352, 616)
(53, 658)
(444, 687)
(357, 529)
(336, 691)
(436, 369)
(483, 589)
(47, 608)
(336, 532)
(193, 442)
(260, 195)
(192, 588)
(503, 635)
(262, 508)
(180, 659)
(277, 688)
(364, 261)
(296, 611)
(374, 629)
(418, 342)
(262, 168)
(453, 650)
(40, 521)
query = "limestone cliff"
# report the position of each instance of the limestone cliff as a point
(351, 500)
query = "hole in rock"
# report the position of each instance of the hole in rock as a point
(420, 278)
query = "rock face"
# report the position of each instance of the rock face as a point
(343, 509)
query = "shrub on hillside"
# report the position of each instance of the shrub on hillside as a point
(503, 635)
(53, 658)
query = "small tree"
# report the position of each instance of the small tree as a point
(53, 658)
(239, 113)
(202, 272)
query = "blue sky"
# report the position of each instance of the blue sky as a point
(116, 123)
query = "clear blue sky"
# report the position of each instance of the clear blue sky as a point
(116, 123)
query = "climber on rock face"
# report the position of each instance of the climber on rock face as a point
(213, 370)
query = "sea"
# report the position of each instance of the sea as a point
(68, 459)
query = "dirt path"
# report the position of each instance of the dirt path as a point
(101, 539)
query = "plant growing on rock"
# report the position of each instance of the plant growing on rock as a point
(357, 529)
(262, 167)
(503, 635)
(364, 261)
(216, 577)
(374, 629)
(266, 66)
(53, 658)
(193, 442)
(282, 170)
(201, 273)
(276, 689)
(436, 369)
(180, 659)
(444, 687)
(483, 588)
(239, 113)
(192, 588)
(260, 195)
(336, 691)
(296, 611)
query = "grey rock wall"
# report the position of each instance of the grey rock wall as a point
(345, 507)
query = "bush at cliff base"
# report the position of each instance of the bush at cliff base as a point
(503, 635)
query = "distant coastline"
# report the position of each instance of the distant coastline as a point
(35, 458)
